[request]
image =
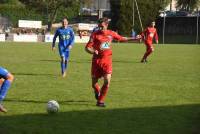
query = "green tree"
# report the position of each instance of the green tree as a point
(86, 3)
(122, 12)
(187, 5)
(16, 2)
(15, 10)
(53, 8)
(115, 6)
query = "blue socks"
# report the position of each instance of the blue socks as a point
(63, 66)
(4, 88)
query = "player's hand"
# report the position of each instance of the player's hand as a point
(96, 52)
(53, 48)
(138, 37)
(70, 47)
(156, 41)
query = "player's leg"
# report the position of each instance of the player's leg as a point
(96, 87)
(2, 109)
(6, 85)
(104, 90)
(1, 82)
(145, 54)
(8, 79)
(106, 66)
(66, 62)
(149, 50)
(62, 62)
(96, 74)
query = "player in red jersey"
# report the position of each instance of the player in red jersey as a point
(100, 46)
(148, 35)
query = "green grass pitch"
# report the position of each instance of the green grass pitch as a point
(162, 96)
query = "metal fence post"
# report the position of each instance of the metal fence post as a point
(197, 38)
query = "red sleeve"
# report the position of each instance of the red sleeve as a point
(118, 37)
(143, 34)
(156, 35)
(91, 41)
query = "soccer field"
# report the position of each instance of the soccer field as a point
(162, 96)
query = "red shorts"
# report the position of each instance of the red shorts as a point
(149, 46)
(100, 67)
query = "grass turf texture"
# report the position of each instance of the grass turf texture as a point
(162, 96)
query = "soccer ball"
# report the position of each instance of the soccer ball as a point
(138, 36)
(52, 106)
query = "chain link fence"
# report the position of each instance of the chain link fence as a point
(178, 30)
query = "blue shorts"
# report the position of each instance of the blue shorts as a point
(3, 73)
(64, 52)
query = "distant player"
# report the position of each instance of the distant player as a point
(96, 29)
(100, 47)
(6, 78)
(66, 40)
(148, 35)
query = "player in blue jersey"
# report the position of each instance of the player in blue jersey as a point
(97, 28)
(6, 78)
(66, 40)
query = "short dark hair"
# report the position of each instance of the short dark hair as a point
(150, 22)
(64, 18)
(104, 19)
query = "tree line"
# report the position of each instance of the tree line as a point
(50, 11)
(122, 12)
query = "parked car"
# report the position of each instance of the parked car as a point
(167, 14)
(182, 13)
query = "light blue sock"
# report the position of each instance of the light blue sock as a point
(4, 89)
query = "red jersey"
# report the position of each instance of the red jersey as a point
(101, 41)
(148, 34)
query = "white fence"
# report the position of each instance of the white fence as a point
(84, 39)
(49, 38)
(38, 38)
(2, 37)
(25, 38)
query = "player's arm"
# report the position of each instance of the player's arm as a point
(138, 37)
(142, 35)
(91, 50)
(54, 40)
(156, 36)
(118, 37)
(72, 40)
(89, 46)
